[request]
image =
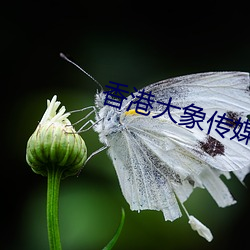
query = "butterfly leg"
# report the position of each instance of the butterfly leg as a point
(82, 128)
(91, 155)
(95, 152)
(86, 116)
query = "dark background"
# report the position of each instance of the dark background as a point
(134, 43)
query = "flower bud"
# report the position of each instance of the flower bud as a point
(55, 144)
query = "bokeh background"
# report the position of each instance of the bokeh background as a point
(134, 43)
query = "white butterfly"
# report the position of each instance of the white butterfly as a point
(158, 162)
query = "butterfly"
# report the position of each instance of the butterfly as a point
(159, 162)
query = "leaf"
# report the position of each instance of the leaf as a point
(117, 234)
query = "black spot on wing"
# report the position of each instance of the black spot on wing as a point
(212, 146)
(191, 181)
(234, 116)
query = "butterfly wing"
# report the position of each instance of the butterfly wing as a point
(224, 92)
(141, 184)
(212, 90)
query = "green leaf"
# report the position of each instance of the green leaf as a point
(248, 117)
(117, 234)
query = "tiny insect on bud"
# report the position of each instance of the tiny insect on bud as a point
(55, 144)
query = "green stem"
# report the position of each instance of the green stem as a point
(54, 177)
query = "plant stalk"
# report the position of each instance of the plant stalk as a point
(53, 185)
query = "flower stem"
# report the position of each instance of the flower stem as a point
(54, 177)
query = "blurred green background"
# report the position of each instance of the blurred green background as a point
(134, 43)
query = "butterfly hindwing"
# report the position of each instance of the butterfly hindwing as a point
(142, 184)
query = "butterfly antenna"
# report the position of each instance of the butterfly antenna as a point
(68, 60)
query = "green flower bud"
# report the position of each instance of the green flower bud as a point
(55, 144)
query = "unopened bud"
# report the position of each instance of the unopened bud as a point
(55, 143)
